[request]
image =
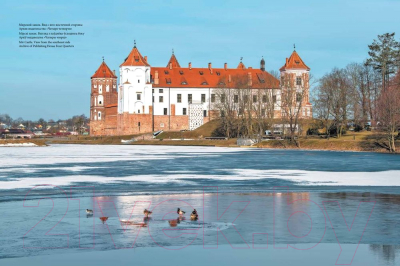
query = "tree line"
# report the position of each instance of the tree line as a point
(365, 93)
(76, 123)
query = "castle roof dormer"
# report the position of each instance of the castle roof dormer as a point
(135, 59)
(294, 62)
(104, 72)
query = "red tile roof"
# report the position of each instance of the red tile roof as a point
(135, 59)
(174, 61)
(104, 72)
(205, 78)
(241, 66)
(294, 62)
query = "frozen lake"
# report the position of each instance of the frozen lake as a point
(246, 198)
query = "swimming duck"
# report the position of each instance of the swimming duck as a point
(146, 212)
(89, 212)
(103, 219)
(194, 215)
(180, 212)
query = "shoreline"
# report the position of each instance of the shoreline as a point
(345, 144)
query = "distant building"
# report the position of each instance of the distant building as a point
(172, 98)
(15, 133)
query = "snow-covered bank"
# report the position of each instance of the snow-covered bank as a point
(25, 144)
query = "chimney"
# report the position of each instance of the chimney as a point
(250, 79)
(229, 78)
(145, 58)
(170, 65)
(210, 68)
(156, 79)
(114, 72)
(225, 66)
(190, 65)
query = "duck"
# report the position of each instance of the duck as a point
(146, 212)
(89, 212)
(180, 212)
(194, 215)
(103, 219)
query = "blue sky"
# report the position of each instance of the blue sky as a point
(55, 83)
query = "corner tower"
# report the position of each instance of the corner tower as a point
(103, 94)
(295, 77)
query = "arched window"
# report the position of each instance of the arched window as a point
(99, 115)
(100, 99)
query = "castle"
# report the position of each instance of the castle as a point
(174, 98)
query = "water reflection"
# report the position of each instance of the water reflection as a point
(386, 253)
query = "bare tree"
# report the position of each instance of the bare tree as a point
(225, 105)
(389, 114)
(294, 96)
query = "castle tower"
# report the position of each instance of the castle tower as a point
(295, 75)
(135, 87)
(103, 95)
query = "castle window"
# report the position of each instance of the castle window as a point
(184, 111)
(203, 98)
(168, 80)
(298, 97)
(204, 83)
(246, 98)
(264, 98)
(99, 102)
(179, 98)
(218, 73)
(166, 72)
(138, 81)
(161, 99)
(165, 111)
(235, 98)
(223, 96)
(189, 98)
(262, 112)
(298, 81)
(138, 111)
(274, 98)
(254, 98)
(138, 96)
(160, 90)
(205, 113)
(222, 113)
(213, 98)
(136, 58)
(99, 115)
(201, 72)
(181, 72)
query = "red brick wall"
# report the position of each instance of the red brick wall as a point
(128, 124)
